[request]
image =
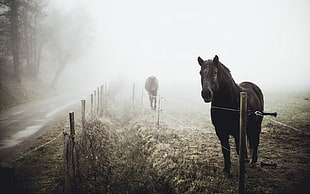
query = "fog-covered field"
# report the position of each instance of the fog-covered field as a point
(128, 151)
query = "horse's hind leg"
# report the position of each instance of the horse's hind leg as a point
(253, 150)
(245, 149)
(254, 142)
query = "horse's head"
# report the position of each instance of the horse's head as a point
(209, 78)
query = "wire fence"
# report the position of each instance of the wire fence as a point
(40, 146)
(285, 125)
(261, 114)
(165, 113)
(98, 101)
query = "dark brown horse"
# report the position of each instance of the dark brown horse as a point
(219, 88)
(151, 86)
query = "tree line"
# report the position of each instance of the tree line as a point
(33, 34)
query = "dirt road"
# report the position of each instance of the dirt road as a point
(21, 124)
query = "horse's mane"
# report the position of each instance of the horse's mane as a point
(223, 70)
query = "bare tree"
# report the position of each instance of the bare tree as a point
(68, 40)
(5, 33)
(34, 36)
(15, 37)
(22, 34)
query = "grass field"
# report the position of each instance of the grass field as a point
(127, 152)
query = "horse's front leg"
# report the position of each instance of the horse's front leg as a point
(151, 99)
(155, 101)
(226, 152)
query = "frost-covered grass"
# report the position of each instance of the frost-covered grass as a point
(126, 152)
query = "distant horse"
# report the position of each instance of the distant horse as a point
(219, 88)
(151, 86)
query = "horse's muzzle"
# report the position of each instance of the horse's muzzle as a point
(207, 95)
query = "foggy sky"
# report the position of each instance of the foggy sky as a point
(267, 42)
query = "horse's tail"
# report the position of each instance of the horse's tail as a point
(258, 93)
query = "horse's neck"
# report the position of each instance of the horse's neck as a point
(227, 95)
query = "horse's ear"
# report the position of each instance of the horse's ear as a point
(216, 60)
(200, 61)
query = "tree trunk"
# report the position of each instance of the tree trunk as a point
(38, 59)
(27, 44)
(62, 64)
(15, 39)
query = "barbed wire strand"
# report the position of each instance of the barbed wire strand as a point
(227, 109)
(36, 148)
(190, 127)
(184, 124)
(285, 125)
(258, 113)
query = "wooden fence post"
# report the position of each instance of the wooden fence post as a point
(67, 184)
(92, 104)
(243, 123)
(83, 113)
(70, 183)
(83, 119)
(95, 98)
(158, 111)
(101, 99)
(72, 151)
(72, 128)
(133, 93)
(98, 100)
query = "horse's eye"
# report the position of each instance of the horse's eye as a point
(204, 72)
(215, 74)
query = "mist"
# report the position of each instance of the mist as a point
(266, 42)
(55, 53)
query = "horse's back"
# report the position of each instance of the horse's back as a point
(151, 83)
(255, 96)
